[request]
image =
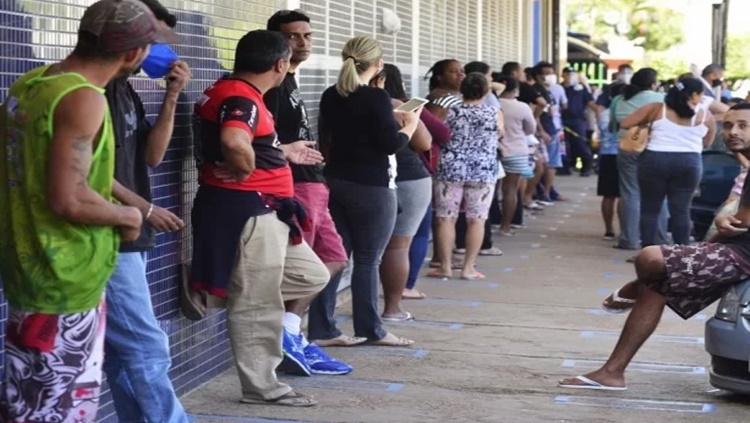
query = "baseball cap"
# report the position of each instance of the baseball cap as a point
(123, 25)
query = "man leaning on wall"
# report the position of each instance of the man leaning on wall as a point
(137, 355)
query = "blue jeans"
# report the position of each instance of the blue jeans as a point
(629, 205)
(674, 176)
(136, 350)
(365, 217)
(419, 246)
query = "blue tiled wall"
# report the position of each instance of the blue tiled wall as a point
(33, 32)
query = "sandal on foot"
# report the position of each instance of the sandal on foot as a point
(589, 384)
(291, 399)
(391, 340)
(340, 341)
(403, 317)
(455, 266)
(624, 304)
(417, 295)
(435, 274)
(475, 277)
(494, 251)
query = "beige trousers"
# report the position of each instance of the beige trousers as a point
(268, 271)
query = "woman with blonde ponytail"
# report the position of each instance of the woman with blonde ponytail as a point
(360, 133)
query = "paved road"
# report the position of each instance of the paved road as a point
(492, 351)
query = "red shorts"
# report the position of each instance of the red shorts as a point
(322, 237)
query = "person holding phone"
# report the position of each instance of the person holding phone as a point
(361, 133)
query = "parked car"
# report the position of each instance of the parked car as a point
(719, 171)
(728, 341)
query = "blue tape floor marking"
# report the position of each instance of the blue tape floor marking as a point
(194, 418)
(671, 339)
(636, 404)
(639, 367)
(391, 352)
(343, 384)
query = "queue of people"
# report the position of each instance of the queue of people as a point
(280, 212)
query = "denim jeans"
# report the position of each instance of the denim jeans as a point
(418, 250)
(137, 350)
(674, 176)
(365, 217)
(629, 205)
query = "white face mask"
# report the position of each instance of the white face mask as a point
(626, 77)
(574, 79)
(550, 80)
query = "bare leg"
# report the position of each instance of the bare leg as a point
(531, 184)
(394, 271)
(608, 214)
(549, 180)
(640, 324)
(446, 237)
(511, 185)
(474, 236)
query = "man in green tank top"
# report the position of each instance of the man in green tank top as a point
(59, 227)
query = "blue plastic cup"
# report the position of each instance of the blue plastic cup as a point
(157, 63)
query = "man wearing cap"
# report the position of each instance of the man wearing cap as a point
(59, 226)
(136, 348)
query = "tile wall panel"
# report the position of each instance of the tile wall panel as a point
(34, 32)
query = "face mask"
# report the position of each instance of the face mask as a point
(717, 83)
(157, 63)
(550, 79)
(574, 80)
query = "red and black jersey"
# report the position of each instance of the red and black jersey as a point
(238, 104)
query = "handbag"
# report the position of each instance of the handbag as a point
(635, 139)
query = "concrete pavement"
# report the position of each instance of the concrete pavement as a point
(492, 351)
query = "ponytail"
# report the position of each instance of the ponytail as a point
(358, 54)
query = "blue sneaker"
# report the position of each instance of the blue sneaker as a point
(294, 362)
(322, 364)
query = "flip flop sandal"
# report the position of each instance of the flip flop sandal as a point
(420, 296)
(404, 318)
(493, 252)
(391, 340)
(341, 341)
(475, 277)
(437, 275)
(617, 299)
(291, 399)
(454, 266)
(591, 385)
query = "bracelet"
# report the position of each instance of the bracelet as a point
(150, 210)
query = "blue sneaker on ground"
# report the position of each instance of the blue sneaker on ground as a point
(322, 364)
(294, 362)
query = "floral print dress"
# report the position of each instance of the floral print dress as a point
(471, 155)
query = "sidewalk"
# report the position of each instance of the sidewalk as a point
(492, 351)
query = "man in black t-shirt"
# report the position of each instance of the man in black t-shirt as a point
(687, 278)
(136, 348)
(292, 124)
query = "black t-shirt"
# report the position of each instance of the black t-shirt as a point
(529, 94)
(292, 124)
(131, 129)
(410, 166)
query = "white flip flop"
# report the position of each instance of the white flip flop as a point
(616, 298)
(592, 385)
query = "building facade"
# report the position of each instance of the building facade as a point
(34, 32)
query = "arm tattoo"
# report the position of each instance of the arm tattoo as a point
(81, 158)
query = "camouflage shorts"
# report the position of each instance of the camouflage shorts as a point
(697, 275)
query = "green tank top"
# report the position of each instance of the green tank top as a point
(47, 264)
